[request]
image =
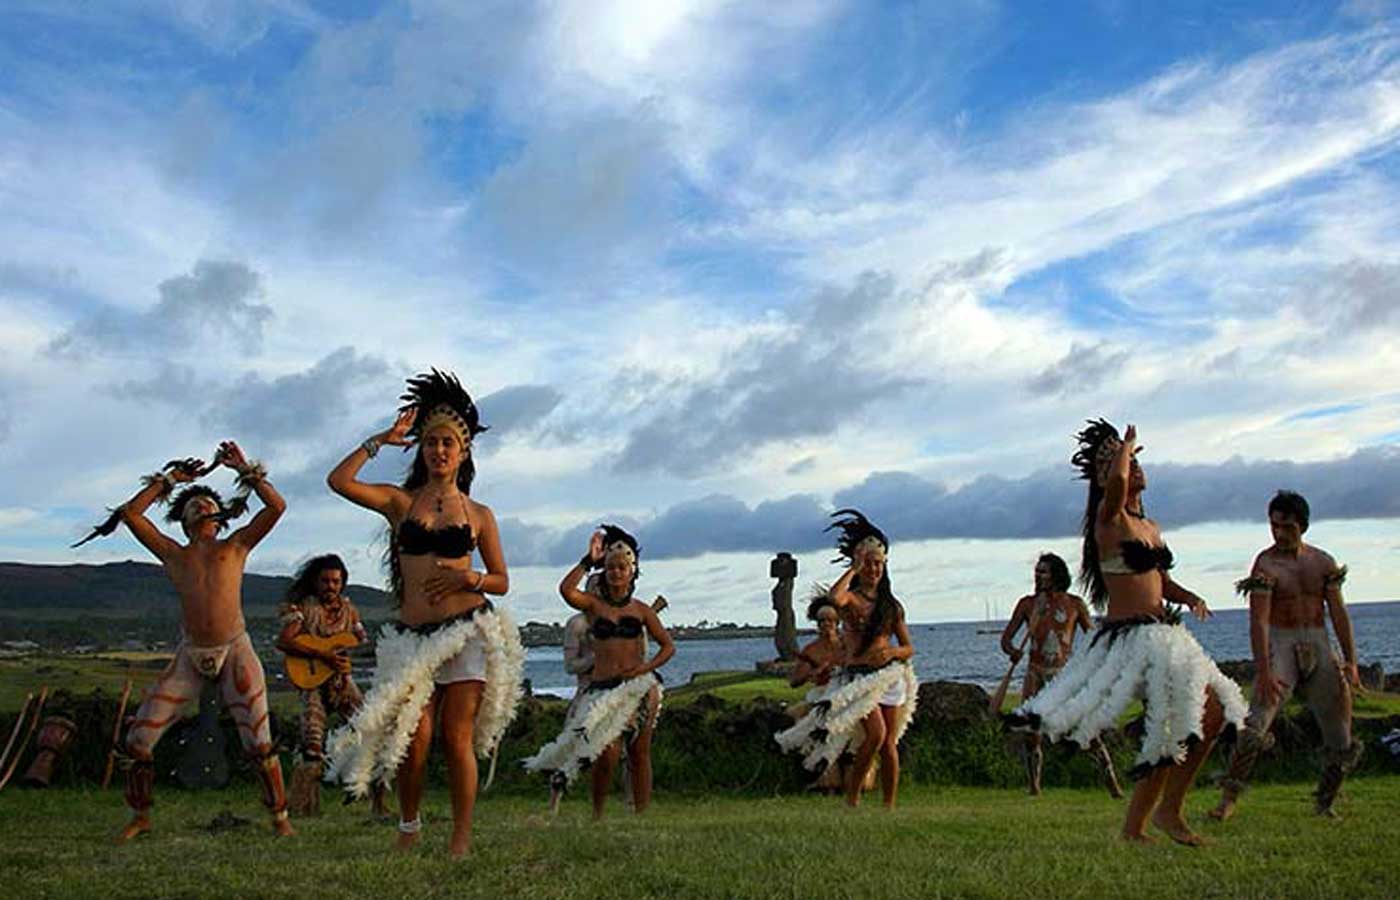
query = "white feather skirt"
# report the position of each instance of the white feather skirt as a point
(1162, 665)
(374, 742)
(832, 722)
(599, 718)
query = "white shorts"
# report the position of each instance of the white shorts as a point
(894, 695)
(467, 664)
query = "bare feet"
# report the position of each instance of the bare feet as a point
(282, 827)
(1224, 811)
(1138, 838)
(461, 844)
(1177, 829)
(405, 840)
(138, 826)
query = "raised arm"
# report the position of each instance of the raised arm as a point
(1341, 621)
(253, 474)
(133, 513)
(569, 589)
(840, 592)
(1115, 488)
(386, 499)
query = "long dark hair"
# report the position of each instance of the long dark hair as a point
(1085, 459)
(854, 527)
(417, 477)
(304, 581)
(1059, 570)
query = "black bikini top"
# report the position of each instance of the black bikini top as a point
(1140, 557)
(452, 542)
(625, 627)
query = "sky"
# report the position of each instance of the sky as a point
(712, 270)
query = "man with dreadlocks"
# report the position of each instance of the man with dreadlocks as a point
(1140, 651)
(207, 572)
(1052, 616)
(1291, 589)
(623, 697)
(452, 655)
(321, 624)
(870, 708)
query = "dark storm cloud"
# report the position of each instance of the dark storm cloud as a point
(216, 299)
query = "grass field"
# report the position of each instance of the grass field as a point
(953, 842)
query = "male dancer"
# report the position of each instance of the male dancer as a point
(1289, 588)
(315, 609)
(207, 572)
(1051, 616)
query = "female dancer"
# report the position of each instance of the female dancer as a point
(872, 704)
(624, 697)
(1140, 649)
(451, 655)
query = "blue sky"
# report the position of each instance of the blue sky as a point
(712, 265)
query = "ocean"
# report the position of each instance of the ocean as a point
(956, 651)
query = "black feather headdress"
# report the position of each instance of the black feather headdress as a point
(855, 528)
(1097, 444)
(612, 536)
(439, 399)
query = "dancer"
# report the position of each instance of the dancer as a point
(623, 697)
(818, 664)
(452, 660)
(320, 625)
(1051, 616)
(869, 709)
(1141, 650)
(1290, 588)
(207, 572)
(820, 659)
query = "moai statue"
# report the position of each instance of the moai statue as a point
(784, 568)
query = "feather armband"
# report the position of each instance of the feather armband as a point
(1254, 584)
(1337, 578)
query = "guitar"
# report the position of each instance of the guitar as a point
(308, 672)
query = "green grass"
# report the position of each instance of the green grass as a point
(955, 842)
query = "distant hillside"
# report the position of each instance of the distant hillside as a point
(136, 588)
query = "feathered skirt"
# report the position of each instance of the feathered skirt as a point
(374, 742)
(1159, 663)
(832, 723)
(599, 718)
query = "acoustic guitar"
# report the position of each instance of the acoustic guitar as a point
(308, 672)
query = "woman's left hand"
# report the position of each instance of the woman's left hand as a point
(448, 580)
(1200, 610)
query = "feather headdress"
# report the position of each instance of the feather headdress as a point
(439, 399)
(1098, 445)
(856, 531)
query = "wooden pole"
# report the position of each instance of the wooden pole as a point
(29, 733)
(116, 735)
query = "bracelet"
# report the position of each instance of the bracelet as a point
(371, 446)
(480, 579)
(167, 484)
(251, 474)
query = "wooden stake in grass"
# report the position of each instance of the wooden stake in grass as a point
(14, 733)
(116, 735)
(29, 733)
